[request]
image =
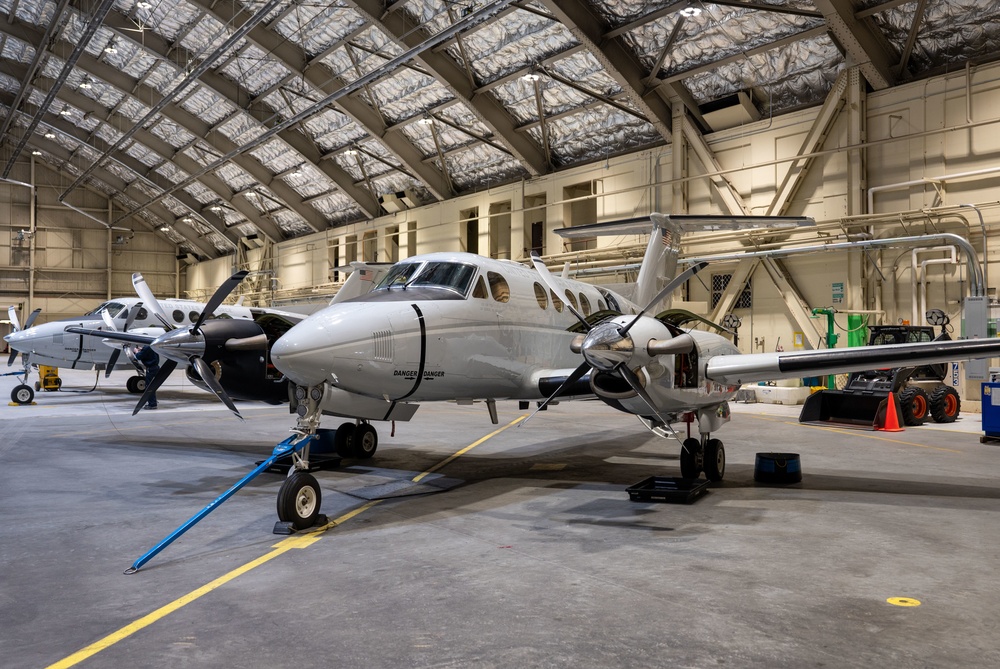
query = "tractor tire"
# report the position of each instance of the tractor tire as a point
(913, 404)
(944, 404)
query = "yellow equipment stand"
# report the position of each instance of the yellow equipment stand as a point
(48, 378)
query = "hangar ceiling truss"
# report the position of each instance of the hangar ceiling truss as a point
(209, 120)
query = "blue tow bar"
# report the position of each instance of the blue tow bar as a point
(287, 447)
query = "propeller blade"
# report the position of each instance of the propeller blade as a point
(667, 289)
(132, 313)
(158, 380)
(633, 381)
(14, 321)
(571, 379)
(551, 284)
(110, 322)
(112, 361)
(221, 293)
(208, 376)
(31, 318)
(13, 356)
(143, 291)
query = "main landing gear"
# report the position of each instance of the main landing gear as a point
(136, 385)
(299, 498)
(705, 455)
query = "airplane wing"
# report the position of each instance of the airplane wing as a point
(132, 337)
(754, 367)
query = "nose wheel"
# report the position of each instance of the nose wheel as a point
(299, 500)
(706, 455)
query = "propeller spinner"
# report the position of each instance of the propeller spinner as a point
(186, 346)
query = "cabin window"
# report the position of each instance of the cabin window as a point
(142, 315)
(600, 305)
(556, 302)
(193, 315)
(499, 287)
(543, 300)
(584, 305)
(480, 290)
(612, 302)
(178, 316)
(572, 300)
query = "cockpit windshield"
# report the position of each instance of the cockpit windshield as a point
(437, 274)
(114, 308)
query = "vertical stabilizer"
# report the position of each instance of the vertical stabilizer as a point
(660, 261)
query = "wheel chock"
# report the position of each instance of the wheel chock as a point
(286, 527)
(18, 404)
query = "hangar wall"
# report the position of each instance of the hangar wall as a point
(75, 262)
(940, 127)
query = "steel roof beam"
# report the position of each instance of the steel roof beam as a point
(293, 58)
(452, 76)
(619, 63)
(864, 47)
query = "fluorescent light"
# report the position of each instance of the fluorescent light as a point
(690, 11)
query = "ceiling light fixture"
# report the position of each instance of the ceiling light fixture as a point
(216, 208)
(531, 76)
(50, 135)
(111, 48)
(86, 84)
(690, 11)
(427, 120)
(36, 153)
(65, 112)
(143, 5)
(351, 152)
(164, 228)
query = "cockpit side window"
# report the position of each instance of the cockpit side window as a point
(113, 309)
(480, 290)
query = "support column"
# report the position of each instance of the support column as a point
(678, 150)
(33, 230)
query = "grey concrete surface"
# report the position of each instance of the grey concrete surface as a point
(538, 559)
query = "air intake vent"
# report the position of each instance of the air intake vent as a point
(382, 345)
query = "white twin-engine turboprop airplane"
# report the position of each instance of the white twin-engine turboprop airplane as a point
(455, 326)
(52, 344)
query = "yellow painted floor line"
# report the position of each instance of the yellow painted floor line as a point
(301, 541)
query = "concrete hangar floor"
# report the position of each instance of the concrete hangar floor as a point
(538, 559)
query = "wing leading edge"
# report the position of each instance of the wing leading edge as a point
(754, 367)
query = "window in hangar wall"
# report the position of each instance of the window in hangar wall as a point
(581, 212)
(719, 284)
(471, 218)
(500, 230)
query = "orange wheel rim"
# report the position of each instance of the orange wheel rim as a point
(950, 405)
(919, 406)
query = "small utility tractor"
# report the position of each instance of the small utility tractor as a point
(920, 391)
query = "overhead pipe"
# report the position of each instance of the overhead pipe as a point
(918, 306)
(986, 255)
(975, 272)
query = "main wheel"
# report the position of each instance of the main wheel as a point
(299, 499)
(343, 440)
(38, 386)
(715, 460)
(132, 385)
(913, 405)
(365, 441)
(22, 394)
(690, 459)
(945, 404)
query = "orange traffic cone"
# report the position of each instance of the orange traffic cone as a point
(891, 421)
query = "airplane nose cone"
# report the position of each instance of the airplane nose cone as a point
(296, 354)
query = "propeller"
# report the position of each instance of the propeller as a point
(129, 320)
(186, 345)
(554, 288)
(608, 348)
(16, 323)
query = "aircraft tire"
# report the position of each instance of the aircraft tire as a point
(299, 500)
(38, 386)
(343, 440)
(715, 460)
(365, 441)
(690, 468)
(132, 385)
(22, 394)
(945, 404)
